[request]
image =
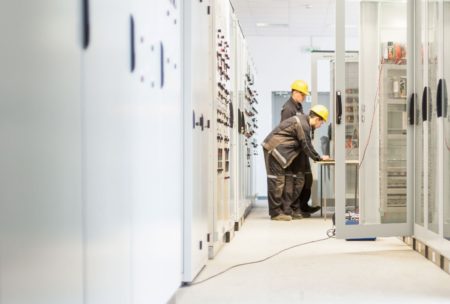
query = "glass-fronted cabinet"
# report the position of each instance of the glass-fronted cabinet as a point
(433, 20)
(325, 139)
(352, 111)
(372, 132)
(392, 133)
(351, 105)
(352, 135)
(403, 121)
(431, 154)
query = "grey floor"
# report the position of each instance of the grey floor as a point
(328, 271)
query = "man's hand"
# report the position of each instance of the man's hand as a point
(325, 157)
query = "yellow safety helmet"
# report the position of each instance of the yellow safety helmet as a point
(301, 86)
(320, 111)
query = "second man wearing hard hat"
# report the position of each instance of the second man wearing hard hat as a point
(291, 138)
(299, 91)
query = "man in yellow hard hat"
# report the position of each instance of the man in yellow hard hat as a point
(299, 91)
(291, 138)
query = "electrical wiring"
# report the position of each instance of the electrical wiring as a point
(375, 104)
(446, 141)
(331, 232)
(255, 262)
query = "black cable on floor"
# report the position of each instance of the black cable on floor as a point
(254, 262)
(331, 232)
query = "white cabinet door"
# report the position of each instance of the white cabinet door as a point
(40, 159)
(106, 153)
(197, 135)
(167, 205)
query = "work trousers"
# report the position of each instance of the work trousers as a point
(298, 194)
(279, 193)
(305, 194)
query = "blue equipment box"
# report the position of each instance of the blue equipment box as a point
(356, 222)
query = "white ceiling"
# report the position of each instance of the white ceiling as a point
(288, 17)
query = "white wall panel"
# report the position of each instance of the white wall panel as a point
(197, 146)
(133, 153)
(106, 154)
(91, 162)
(40, 176)
(166, 219)
(145, 93)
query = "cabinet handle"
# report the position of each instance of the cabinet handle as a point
(425, 100)
(239, 120)
(202, 122)
(242, 121)
(132, 46)
(338, 107)
(86, 24)
(231, 114)
(429, 104)
(444, 99)
(441, 98)
(412, 108)
(161, 59)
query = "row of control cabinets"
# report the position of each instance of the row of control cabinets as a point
(89, 204)
(224, 121)
(249, 123)
(221, 222)
(105, 95)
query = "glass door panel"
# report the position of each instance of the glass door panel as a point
(419, 134)
(445, 114)
(392, 136)
(351, 134)
(371, 140)
(433, 21)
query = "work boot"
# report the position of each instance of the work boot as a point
(313, 209)
(306, 212)
(297, 216)
(281, 217)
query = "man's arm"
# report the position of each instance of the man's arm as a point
(308, 148)
(305, 141)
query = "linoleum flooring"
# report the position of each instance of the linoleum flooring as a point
(327, 271)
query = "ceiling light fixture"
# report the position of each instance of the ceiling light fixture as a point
(308, 6)
(265, 24)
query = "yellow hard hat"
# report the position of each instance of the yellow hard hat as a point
(301, 86)
(320, 111)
